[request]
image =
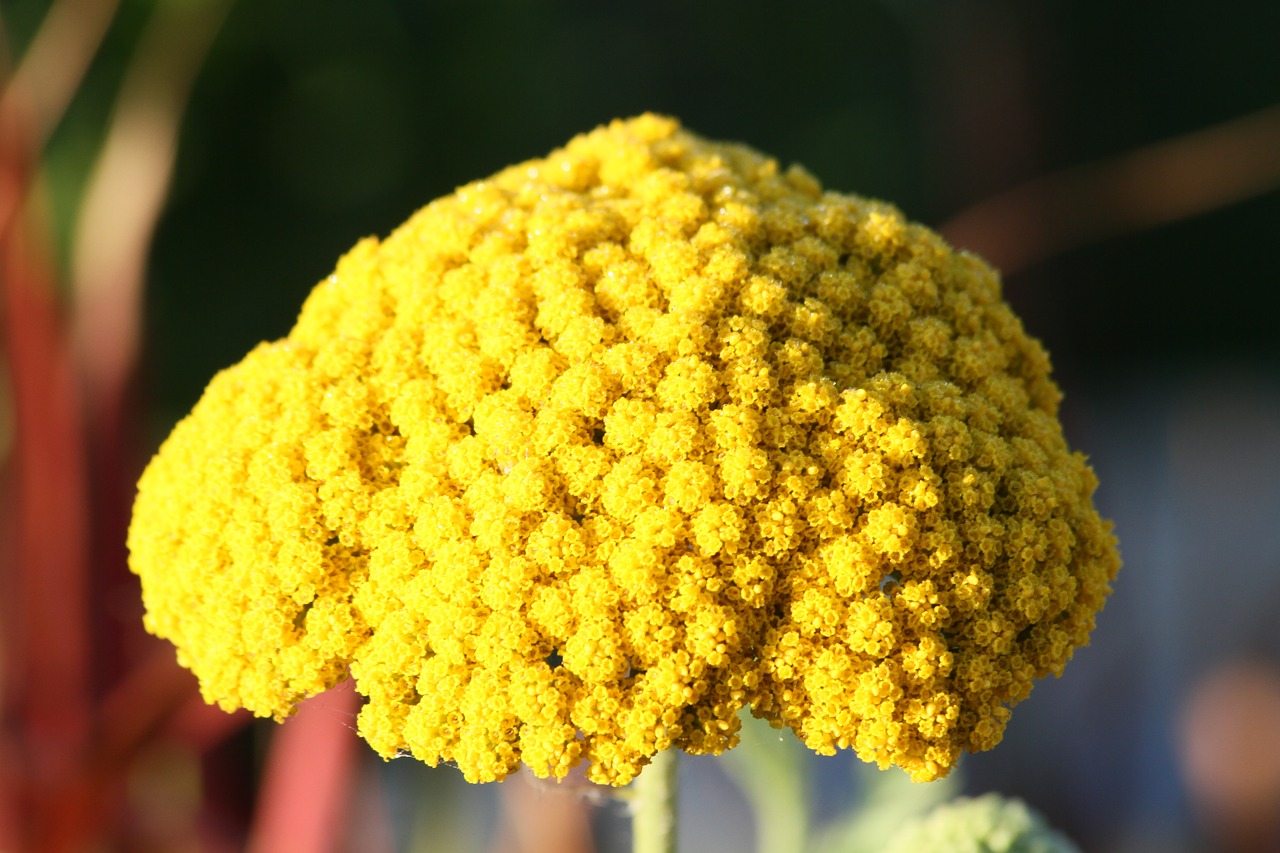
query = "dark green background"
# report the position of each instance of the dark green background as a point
(315, 123)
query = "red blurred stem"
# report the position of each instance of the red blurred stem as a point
(47, 684)
(301, 805)
(43, 607)
(63, 756)
(130, 717)
(158, 700)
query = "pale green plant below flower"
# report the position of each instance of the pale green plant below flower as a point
(986, 824)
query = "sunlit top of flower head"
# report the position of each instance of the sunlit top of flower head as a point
(588, 456)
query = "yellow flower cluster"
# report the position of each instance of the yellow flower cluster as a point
(589, 456)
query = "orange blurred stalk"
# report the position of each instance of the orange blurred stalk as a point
(1161, 183)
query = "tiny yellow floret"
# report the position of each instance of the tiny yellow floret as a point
(590, 455)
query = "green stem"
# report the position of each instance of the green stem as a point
(653, 811)
(769, 767)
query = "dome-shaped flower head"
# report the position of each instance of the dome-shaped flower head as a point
(589, 456)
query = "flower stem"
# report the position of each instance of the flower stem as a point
(653, 811)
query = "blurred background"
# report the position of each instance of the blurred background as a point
(175, 175)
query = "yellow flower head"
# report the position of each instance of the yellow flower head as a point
(589, 456)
